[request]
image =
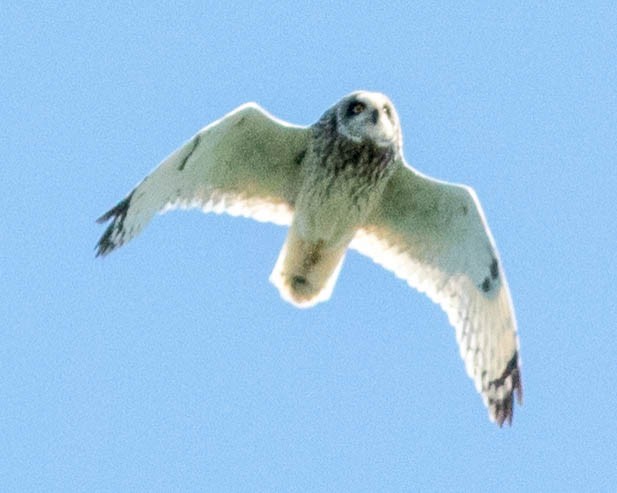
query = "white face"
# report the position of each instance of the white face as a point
(370, 116)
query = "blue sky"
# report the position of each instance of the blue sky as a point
(174, 365)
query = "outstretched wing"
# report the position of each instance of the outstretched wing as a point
(247, 164)
(434, 235)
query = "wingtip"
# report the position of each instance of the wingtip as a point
(105, 244)
(501, 410)
(105, 217)
(112, 237)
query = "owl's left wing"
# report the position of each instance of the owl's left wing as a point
(246, 164)
(434, 235)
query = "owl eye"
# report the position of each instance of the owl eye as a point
(356, 108)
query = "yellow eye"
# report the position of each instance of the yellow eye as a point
(358, 108)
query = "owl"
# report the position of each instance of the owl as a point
(343, 183)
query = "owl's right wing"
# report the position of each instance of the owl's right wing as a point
(246, 164)
(434, 235)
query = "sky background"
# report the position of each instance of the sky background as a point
(173, 365)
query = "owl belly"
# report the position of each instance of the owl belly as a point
(329, 211)
(326, 218)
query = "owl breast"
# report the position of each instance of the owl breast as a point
(342, 182)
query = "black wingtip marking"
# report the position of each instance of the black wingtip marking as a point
(117, 214)
(503, 409)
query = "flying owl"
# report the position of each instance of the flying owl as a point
(343, 183)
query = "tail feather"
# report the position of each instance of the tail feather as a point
(306, 272)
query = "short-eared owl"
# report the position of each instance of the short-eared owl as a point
(343, 182)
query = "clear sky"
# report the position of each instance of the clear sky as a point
(173, 365)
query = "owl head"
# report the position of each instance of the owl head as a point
(368, 116)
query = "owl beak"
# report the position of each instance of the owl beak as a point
(375, 117)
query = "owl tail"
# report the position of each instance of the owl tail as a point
(306, 272)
